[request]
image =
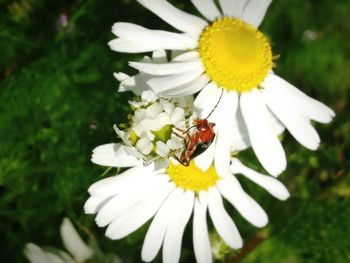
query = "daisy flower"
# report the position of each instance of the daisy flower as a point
(169, 196)
(226, 51)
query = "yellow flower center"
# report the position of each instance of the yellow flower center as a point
(236, 55)
(192, 178)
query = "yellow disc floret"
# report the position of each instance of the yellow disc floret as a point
(235, 54)
(192, 178)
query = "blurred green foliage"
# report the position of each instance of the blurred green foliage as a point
(58, 101)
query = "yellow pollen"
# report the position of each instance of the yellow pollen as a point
(192, 178)
(236, 55)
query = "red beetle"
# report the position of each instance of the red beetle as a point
(200, 140)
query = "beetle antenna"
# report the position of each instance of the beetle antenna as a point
(190, 128)
(222, 92)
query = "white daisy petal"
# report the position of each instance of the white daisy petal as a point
(231, 189)
(186, 89)
(270, 184)
(188, 56)
(207, 8)
(94, 204)
(113, 185)
(120, 76)
(223, 223)
(113, 155)
(205, 160)
(299, 126)
(173, 81)
(121, 202)
(239, 137)
(225, 109)
(175, 17)
(207, 99)
(159, 56)
(265, 143)
(35, 254)
(298, 100)
(233, 8)
(167, 68)
(136, 84)
(131, 46)
(73, 242)
(156, 231)
(142, 39)
(201, 242)
(135, 217)
(255, 10)
(177, 222)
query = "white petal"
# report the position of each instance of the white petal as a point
(131, 46)
(201, 242)
(113, 155)
(173, 81)
(207, 99)
(265, 143)
(233, 8)
(144, 145)
(175, 17)
(270, 184)
(207, 8)
(120, 76)
(177, 115)
(134, 39)
(299, 126)
(275, 123)
(223, 223)
(73, 242)
(205, 160)
(93, 204)
(115, 184)
(121, 203)
(35, 254)
(136, 84)
(162, 149)
(159, 57)
(255, 10)
(149, 96)
(138, 215)
(297, 100)
(156, 231)
(225, 111)
(239, 137)
(187, 56)
(174, 144)
(186, 89)
(154, 110)
(167, 68)
(231, 189)
(177, 222)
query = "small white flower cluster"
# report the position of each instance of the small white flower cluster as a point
(150, 135)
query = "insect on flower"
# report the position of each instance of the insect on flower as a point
(199, 140)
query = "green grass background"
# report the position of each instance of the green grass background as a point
(59, 100)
